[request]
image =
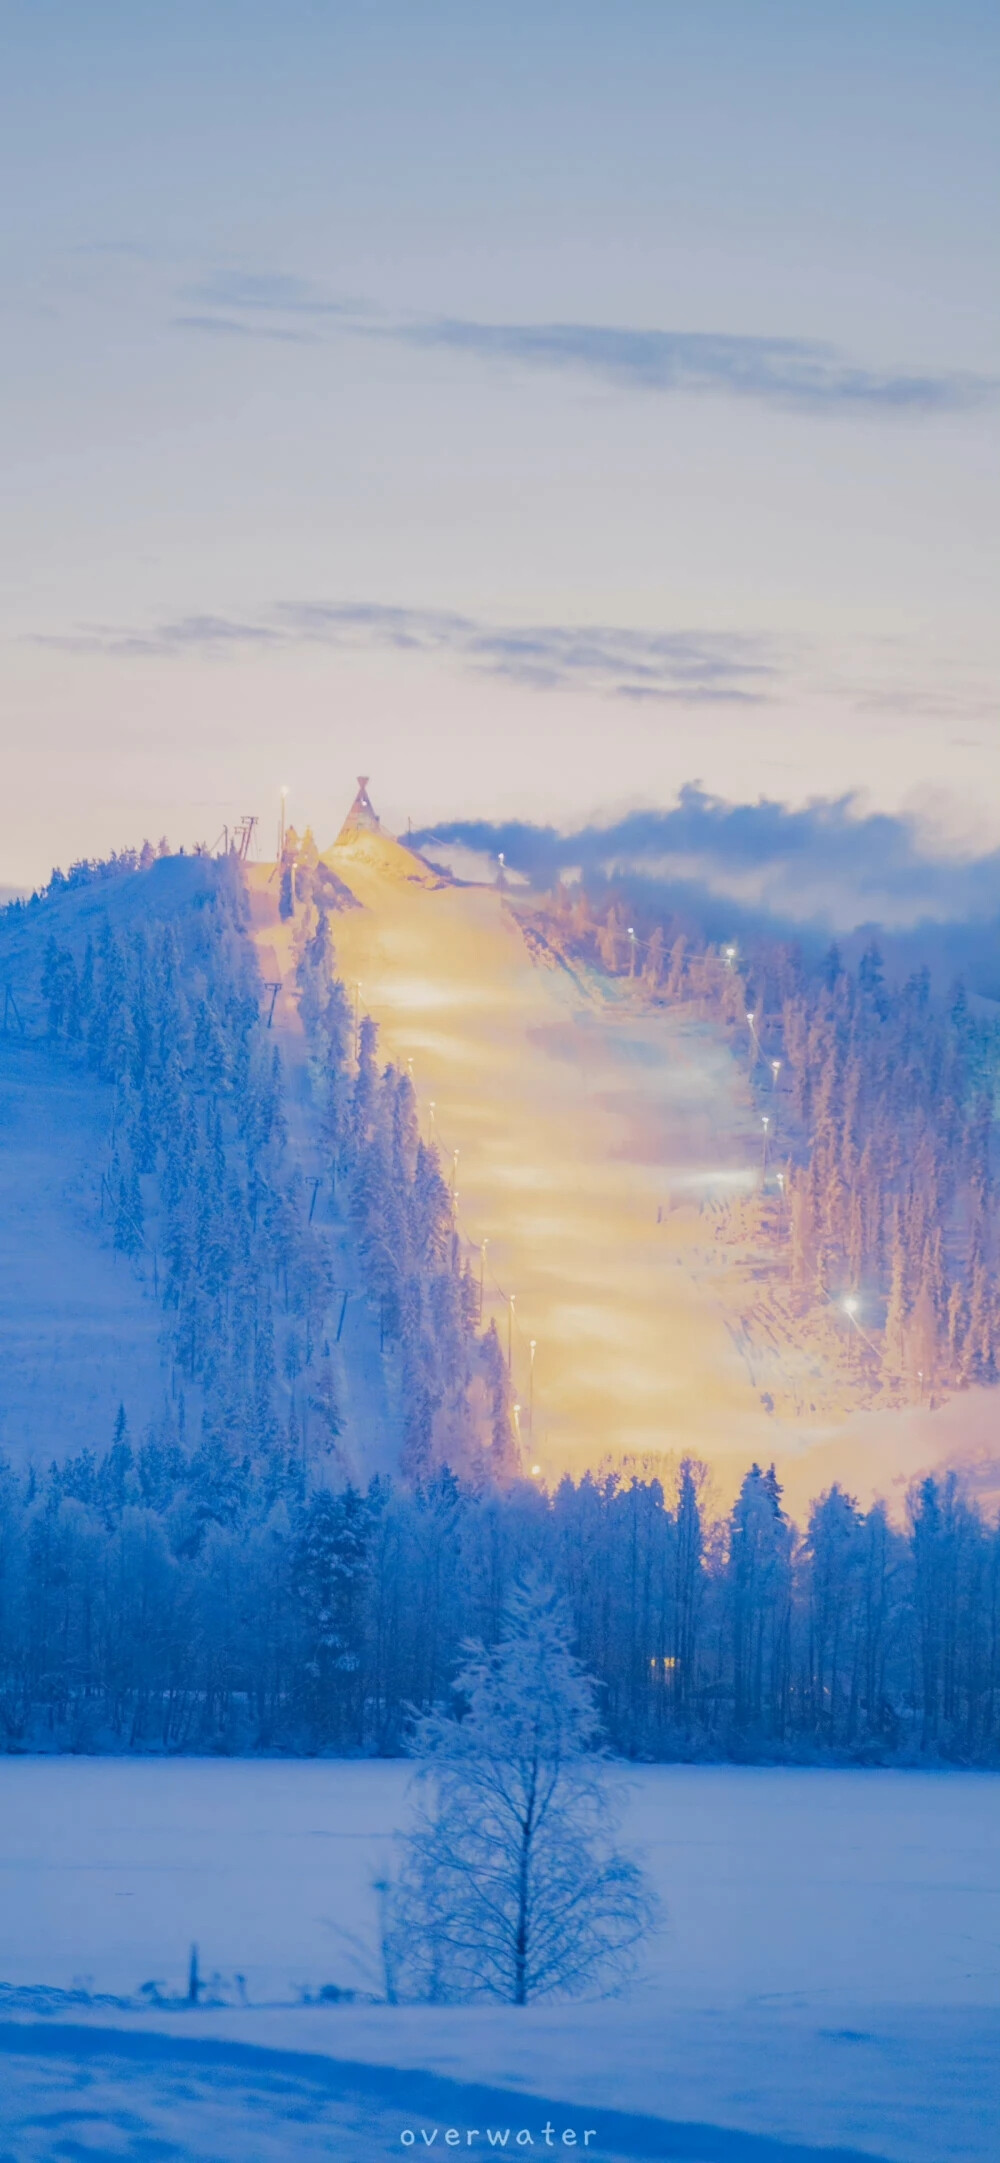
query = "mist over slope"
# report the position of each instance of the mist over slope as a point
(764, 871)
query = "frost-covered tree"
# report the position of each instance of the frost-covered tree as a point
(511, 1887)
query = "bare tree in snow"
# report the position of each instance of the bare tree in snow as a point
(511, 1886)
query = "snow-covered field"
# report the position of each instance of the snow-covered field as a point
(828, 1977)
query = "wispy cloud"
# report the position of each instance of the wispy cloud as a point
(183, 634)
(796, 374)
(272, 305)
(799, 375)
(690, 667)
(715, 665)
(220, 326)
(268, 293)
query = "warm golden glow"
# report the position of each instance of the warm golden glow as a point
(594, 1136)
(604, 1145)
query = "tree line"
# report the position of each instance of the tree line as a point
(151, 1600)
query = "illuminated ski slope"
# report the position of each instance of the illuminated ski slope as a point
(598, 1141)
(591, 1139)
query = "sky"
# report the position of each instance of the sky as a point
(538, 408)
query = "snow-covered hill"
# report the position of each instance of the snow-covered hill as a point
(595, 1144)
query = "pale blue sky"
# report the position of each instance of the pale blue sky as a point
(536, 405)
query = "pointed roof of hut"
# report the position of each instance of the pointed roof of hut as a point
(362, 817)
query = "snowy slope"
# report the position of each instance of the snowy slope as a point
(81, 1331)
(79, 1327)
(170, 884)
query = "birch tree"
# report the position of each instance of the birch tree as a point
(511, 1886)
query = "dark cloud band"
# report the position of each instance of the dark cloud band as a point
(830, 866)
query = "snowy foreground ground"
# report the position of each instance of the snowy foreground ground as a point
(827, 1980)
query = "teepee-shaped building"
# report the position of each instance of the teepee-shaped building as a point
(362, 817)
(363, 845)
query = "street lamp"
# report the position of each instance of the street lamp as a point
(631, 950)
(850, 1306)
(776, 1069)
